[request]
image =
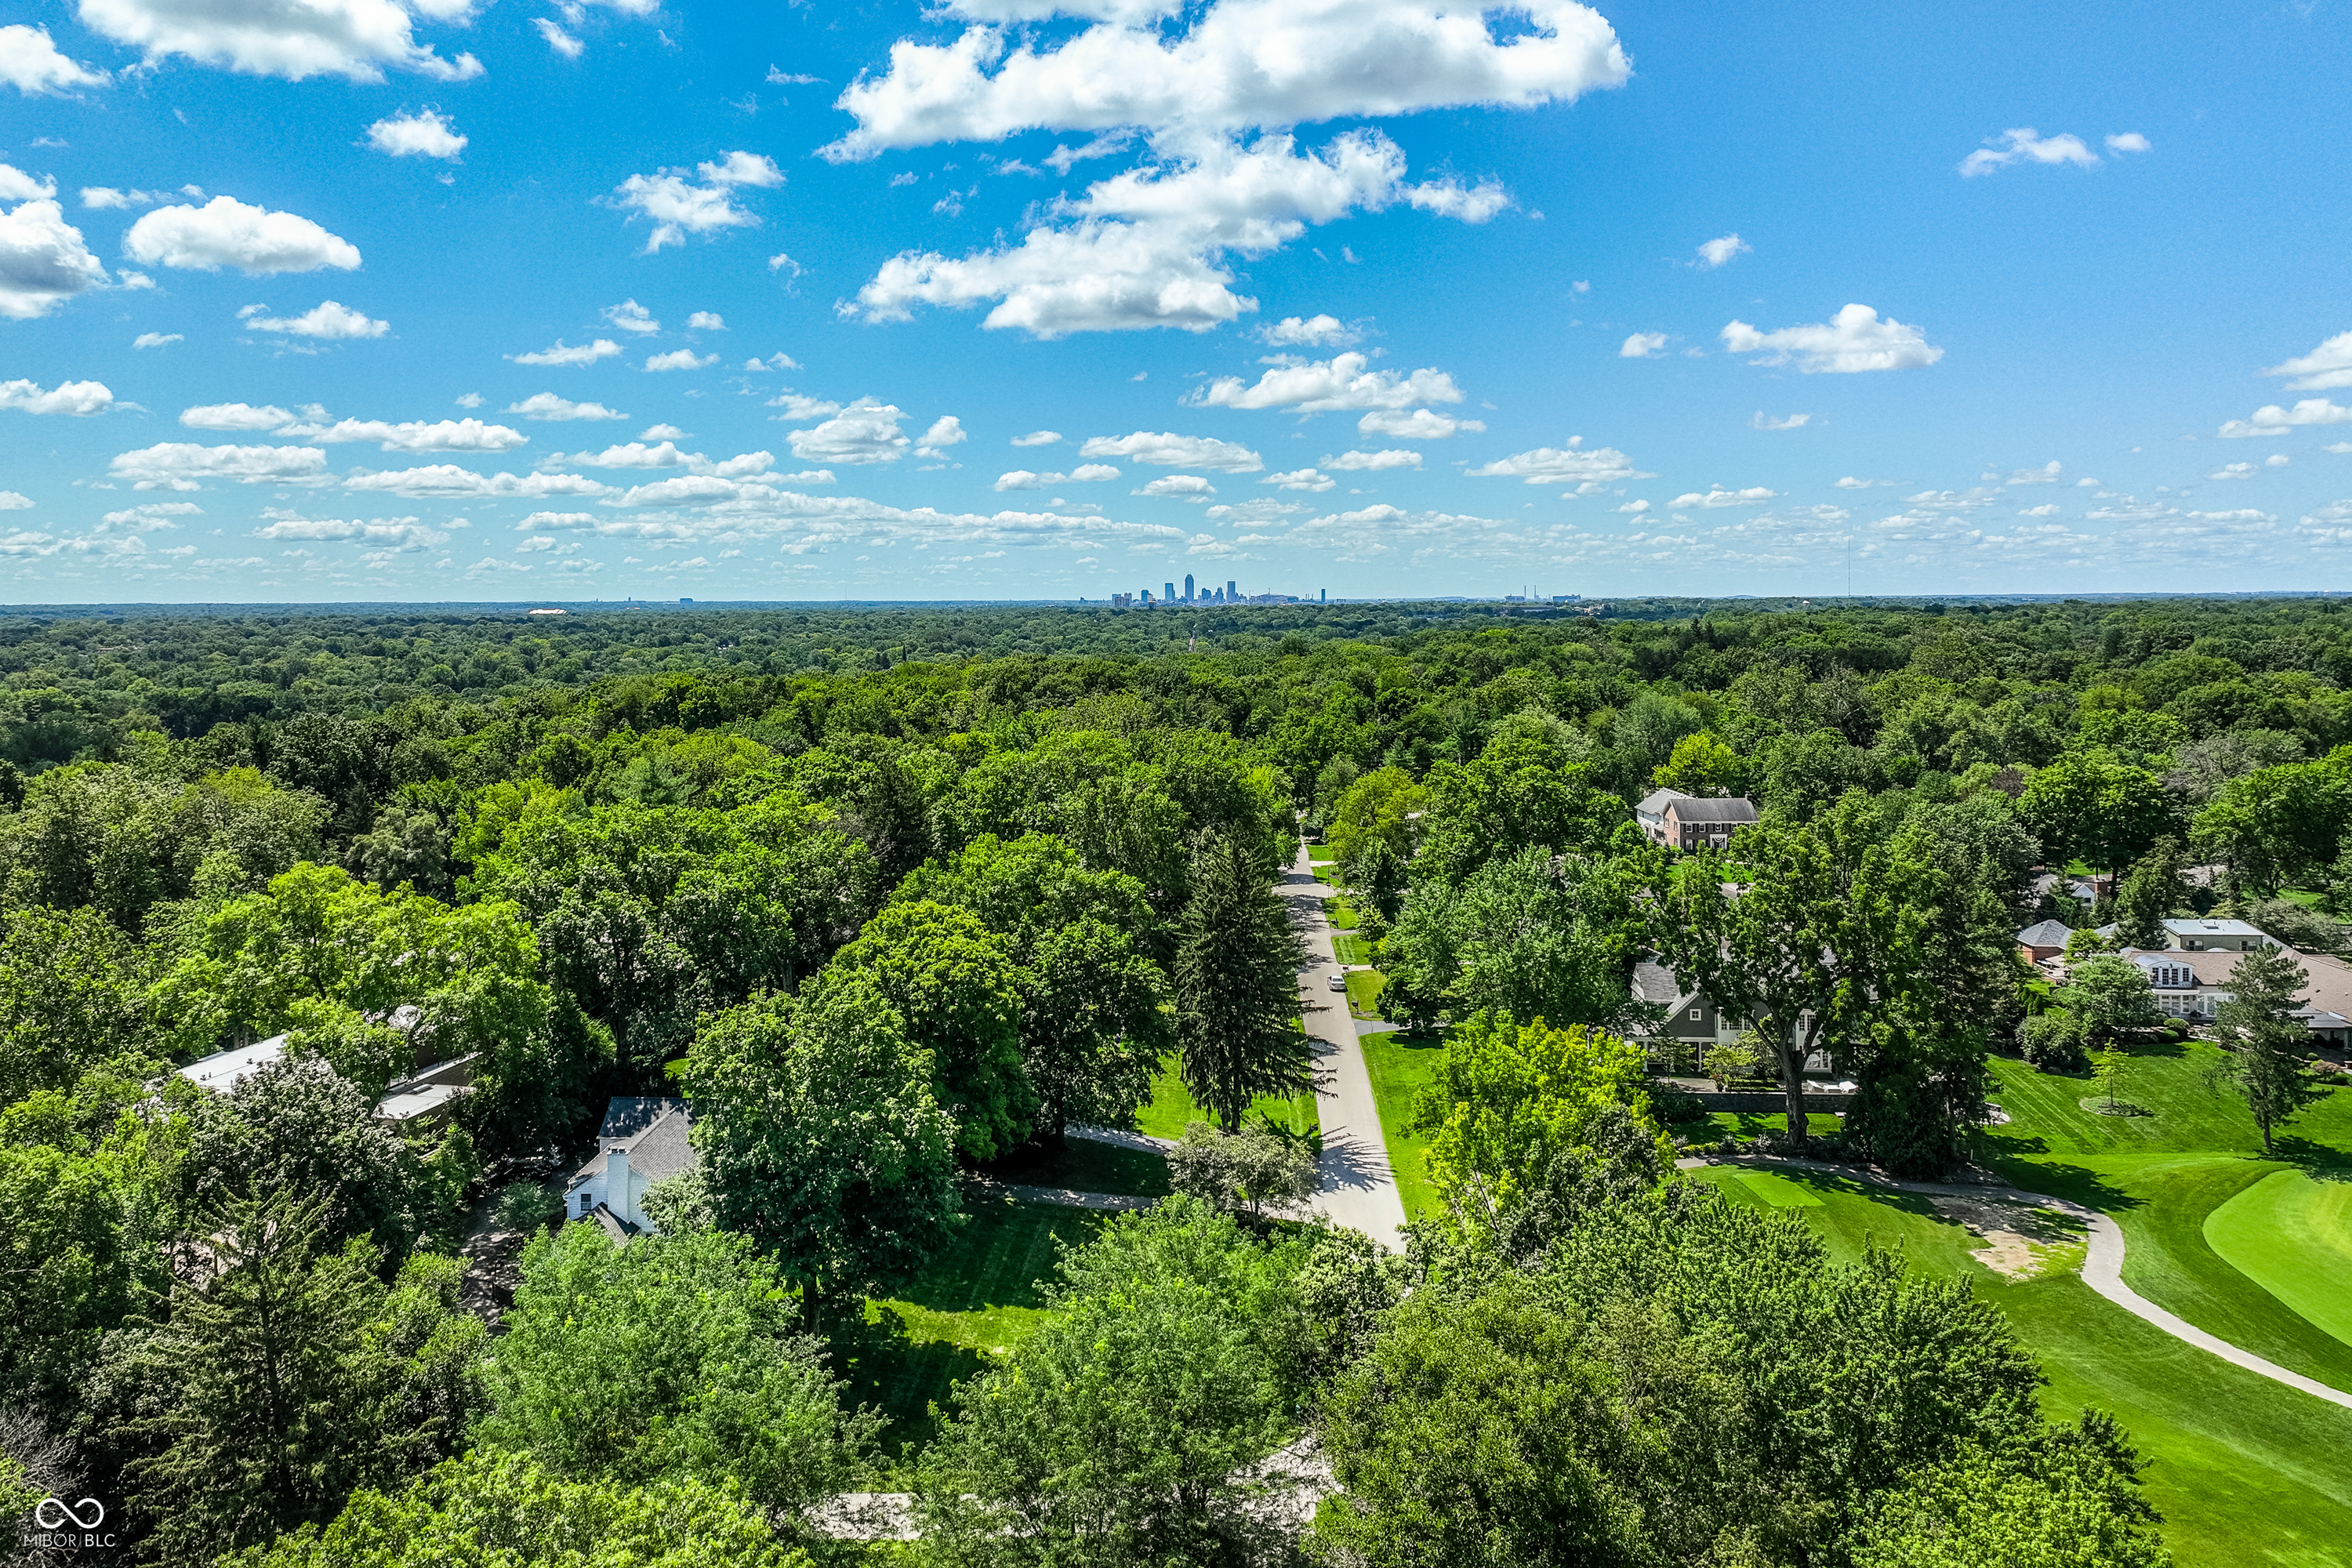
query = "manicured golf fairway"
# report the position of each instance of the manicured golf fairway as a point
(2247, 1472)
(2293, 1237)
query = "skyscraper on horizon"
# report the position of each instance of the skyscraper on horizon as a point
(1233, 595)
(1188, 587)
(1171, 594)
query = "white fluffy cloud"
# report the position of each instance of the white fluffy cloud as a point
(562, 42)
(384, 533)
(1856, 340)
(14, 500)
(1759, 420)
(234, 416)
(2274, 420)
(157, 339)
(1589, 470)
(677, 206)
(16, 185)
(1343, 381)
(427, 134)
(680, 359)
(631, 317)
(411, 435)
(446, 481)
(1420, 425)
(1347, 462)
(1038, 438)
(2128, 141)
(43, 261)
(325, 320)
(184, 465)
(563, 353)
(1145, 248)
(79, 398)
(706, 322)
(1715, 252)
(2025, 145)
(2328, 365)
(151, 515)
(350, 38)
(946, 431)
(864, 432)
(547, 406)
(796, 407)
(1717, 497)
(1309, 332)
(665, 454)
(31, 63)
(225, 232)
(1643, 345)
(1241, 64)
(1312, 480)
(1085, 474)
(1168, 450)
(2048, 473)
(1187, 487)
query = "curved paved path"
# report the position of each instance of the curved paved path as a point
(2103, 1266)
(1359, 1189)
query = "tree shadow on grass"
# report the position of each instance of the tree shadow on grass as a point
(903, 1377)
(2320, 1161)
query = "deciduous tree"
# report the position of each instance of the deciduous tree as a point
(821, 1139)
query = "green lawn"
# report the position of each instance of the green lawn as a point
(970, 1305)
(2248, 1249)
(1171, 1106)
(1319, 854)
(2245, 1471)
(2292, 1235)
(1364, 988)
(1399, 1065)
(1350, 948)
(1340, 912)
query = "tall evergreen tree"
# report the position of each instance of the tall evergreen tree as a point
(1237, 1004)
(265, 1426)
(2266, 1060)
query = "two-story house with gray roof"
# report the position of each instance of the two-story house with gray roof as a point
(1680, 821)
(642, 1140)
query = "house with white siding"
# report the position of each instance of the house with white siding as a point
(642, 1140)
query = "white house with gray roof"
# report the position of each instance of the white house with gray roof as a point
(642, 1140)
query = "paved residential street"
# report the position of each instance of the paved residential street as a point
(1358, 1188)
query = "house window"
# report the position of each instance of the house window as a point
(583, 1206)
(1697, 1013)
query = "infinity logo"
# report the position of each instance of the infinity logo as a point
(51, 1513)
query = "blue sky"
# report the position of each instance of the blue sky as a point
(1002, 300)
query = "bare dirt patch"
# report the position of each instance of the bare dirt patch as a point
(2020, 1240)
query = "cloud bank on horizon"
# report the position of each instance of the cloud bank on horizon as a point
(850, 279)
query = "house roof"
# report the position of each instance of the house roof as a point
(2046, 934)
(1656, 801)
(1656, 982)
(650, 1133)
(223, 1070)
(2210, 969)
(1698, 808)
(2214, 928)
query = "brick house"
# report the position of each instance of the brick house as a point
(1679, 821)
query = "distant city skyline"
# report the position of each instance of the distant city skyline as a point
(990, 298)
